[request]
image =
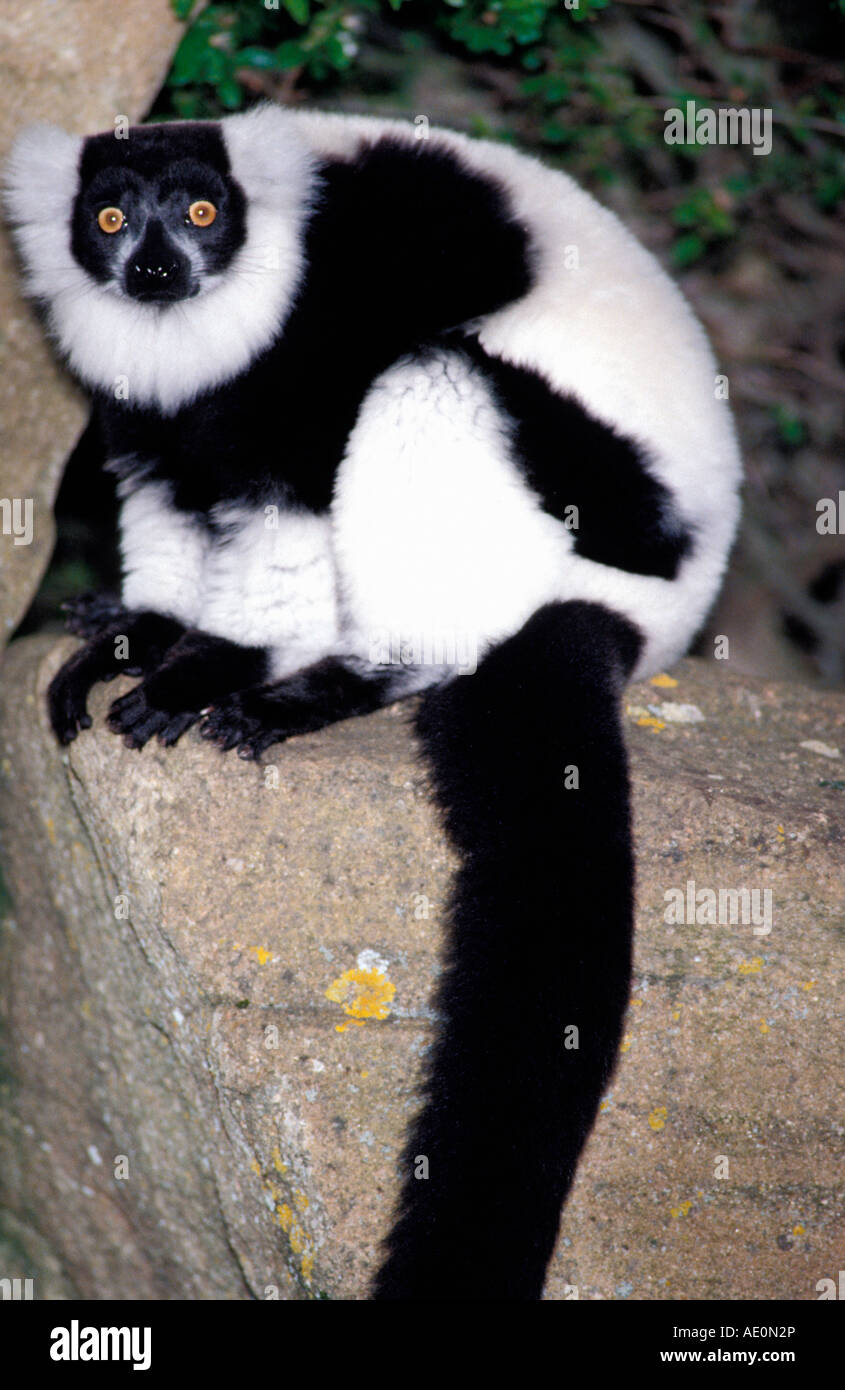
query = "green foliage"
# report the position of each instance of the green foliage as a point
(227, 43)
(320, 41)
(568, 79)
(791, 429)
(704, 216)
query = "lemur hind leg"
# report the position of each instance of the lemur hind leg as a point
(329, 690)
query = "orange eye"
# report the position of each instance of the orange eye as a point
(202, 213)
(110, 220)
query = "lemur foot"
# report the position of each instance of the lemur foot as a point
(248, 721)
(138, 720)
(197, 671)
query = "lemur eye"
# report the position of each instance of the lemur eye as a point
(110, 219)
(202, 213)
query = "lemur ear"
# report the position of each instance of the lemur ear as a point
(40, 182)
(269, 158)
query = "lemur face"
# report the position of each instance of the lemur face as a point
(157, 216)
(168, 259)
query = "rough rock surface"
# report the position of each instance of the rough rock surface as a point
(216, 983)
(77, 64)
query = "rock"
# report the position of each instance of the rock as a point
(77, 65)
(217, 993)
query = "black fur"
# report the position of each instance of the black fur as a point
(196, 671)
(402, 246)
(332, 689)
(540, 940)
(184, 671)
(148, 635)
(128, 174)
(625, 515)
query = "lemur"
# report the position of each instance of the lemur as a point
(366, 393)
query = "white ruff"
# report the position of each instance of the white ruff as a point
(169, 354)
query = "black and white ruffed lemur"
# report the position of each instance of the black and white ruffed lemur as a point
(485, 420)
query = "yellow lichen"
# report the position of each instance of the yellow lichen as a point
(665, 682)
(657, 1118)
(298, 1238)
(751, 967)
(647, 721)
(262, 955)
(681, 1210)
(362, 993)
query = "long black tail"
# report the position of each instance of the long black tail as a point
(530, 770)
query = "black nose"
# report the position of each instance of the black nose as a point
(157, 270)
(154, 272)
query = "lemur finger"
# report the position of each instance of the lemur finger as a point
(66, 701)
(176, 727)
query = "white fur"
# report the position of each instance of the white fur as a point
(171, 354)
(164, 555)
(436, 532)
(40, 185)
(436, 535)
(259, 584)
(270, 582)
